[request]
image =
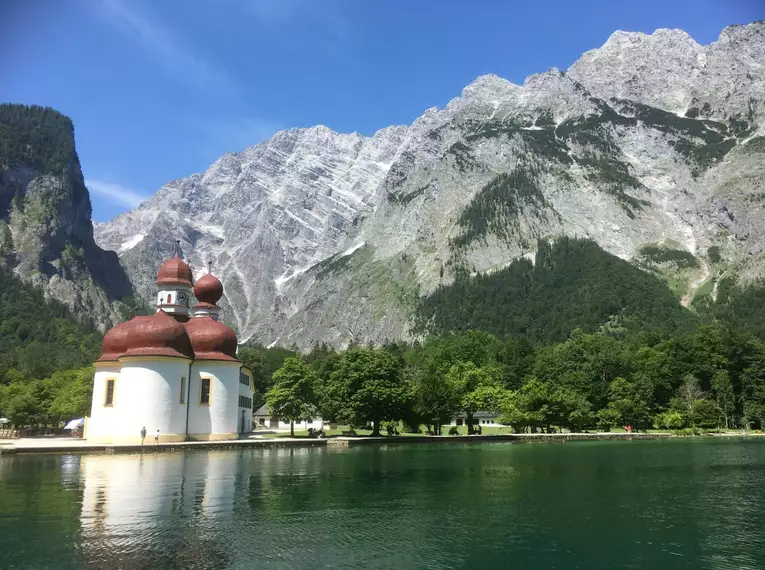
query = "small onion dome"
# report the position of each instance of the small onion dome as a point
(157, 335)
(208, 289)
(114, 343)
(211, 339)
(174, 271)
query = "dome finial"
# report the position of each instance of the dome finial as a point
(209, 267)
(177, 248)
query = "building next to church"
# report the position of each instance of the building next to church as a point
(175, 371)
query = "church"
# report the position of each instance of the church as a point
(175, 373)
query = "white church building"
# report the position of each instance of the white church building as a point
(175, 372)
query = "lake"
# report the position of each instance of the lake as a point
(694, 503)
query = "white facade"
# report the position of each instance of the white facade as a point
(162, 393)
(174, 300)
(175, 378)
(103, 415)
(482, 419)
(220, 416)
(147, 393)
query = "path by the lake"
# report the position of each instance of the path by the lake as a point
(69, 445)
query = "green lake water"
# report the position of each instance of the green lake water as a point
(592, 505)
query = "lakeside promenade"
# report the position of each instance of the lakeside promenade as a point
(69, 445)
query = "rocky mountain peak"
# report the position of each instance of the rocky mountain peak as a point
(321, 236)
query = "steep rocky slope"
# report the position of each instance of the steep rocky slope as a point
(650, 143)
(46, 234)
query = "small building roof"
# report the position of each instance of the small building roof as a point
(480, 414)
(262, 411)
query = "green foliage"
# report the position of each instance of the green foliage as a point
(574, 284)
(291, 397)
(713, 252)
(263, 362)
(35, 137)
(679, 257)
(741, 306)
(39, 336)
(367, 386)
(63, 396)
(497, 206)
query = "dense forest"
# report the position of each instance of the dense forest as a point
(45, 356)
(35, 137)
(573, 284)
(713, 377)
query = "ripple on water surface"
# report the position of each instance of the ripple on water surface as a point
(654, 504)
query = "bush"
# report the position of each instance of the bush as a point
(689, 431)
(671, 419)
(454, 431)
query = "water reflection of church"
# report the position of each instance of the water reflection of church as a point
(175, 372)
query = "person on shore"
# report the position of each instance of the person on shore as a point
(156, 438)
(143, 434)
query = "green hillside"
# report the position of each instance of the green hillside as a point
(573, 284)
(38, 336)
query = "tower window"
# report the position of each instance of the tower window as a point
(109, 397)
(183, 390)
(204, 392)
(169, 297)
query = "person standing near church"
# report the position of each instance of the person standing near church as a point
(143, 434)
(156, 438)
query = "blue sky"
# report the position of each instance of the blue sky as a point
(159, 90)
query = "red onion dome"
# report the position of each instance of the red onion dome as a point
(157, 335)
(114, 343)
(211, 340)
(208, 289)
(174, 271)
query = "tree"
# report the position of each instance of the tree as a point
(705, 414)
(671, 419)
(625, 406)
(367, 386)
(467, 378)
(73, 391)
(690, 391)
(722, 388)
(291, 398)
(436, 398)
(263, 362)
(530, 406)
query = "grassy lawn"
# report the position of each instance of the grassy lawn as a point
(485, 430)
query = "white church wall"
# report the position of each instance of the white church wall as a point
(221, 418)
(246, 391)
(102, 416)
(148, 395)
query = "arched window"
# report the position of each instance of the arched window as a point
(168, 298)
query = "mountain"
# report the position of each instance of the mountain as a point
(46, 233)
(651, 147)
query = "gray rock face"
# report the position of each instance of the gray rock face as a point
(46, 234)
(320, 236)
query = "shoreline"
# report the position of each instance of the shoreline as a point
(25, 447)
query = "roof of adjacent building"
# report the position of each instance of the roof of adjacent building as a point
(262, 411)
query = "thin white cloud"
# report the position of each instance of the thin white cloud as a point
(116, 193)
(163, 46)
(326, 20)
